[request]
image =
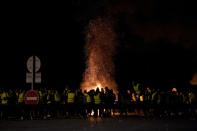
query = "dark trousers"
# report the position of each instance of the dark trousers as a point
(97, 107)
(70, 109)
(4, 111)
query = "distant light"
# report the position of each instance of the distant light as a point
(194, 79)
(174, 90)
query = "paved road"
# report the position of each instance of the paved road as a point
(98, 124)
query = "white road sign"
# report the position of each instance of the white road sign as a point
(29, 77)
(30, 64)
(37, 77)
(37, 64)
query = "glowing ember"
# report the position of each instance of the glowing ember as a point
(100, 49)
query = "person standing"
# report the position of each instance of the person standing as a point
(4, 103)
(21, 107)
(97, 103)
(70, 103)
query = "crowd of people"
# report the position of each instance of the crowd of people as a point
(146, 101)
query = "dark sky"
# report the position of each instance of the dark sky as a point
(157, 40)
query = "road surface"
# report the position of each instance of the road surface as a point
(98, 124)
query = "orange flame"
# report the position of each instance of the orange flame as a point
(100, 49)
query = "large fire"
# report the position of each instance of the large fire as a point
(100, 49)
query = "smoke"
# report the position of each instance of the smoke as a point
(150, 20)
(100, 49)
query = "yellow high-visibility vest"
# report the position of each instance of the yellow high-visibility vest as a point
(4, 99)
(153, 95)
(40, 94)
(191, 97)
(57, 97)
(0, 97)
(71, 97)
(136, 87)
(97, 99)
(88, 99)
(133, 98)
(141, 98)
(21, 98)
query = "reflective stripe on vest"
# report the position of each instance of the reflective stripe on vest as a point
(71, 97)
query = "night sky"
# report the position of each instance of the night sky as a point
(157, 40)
